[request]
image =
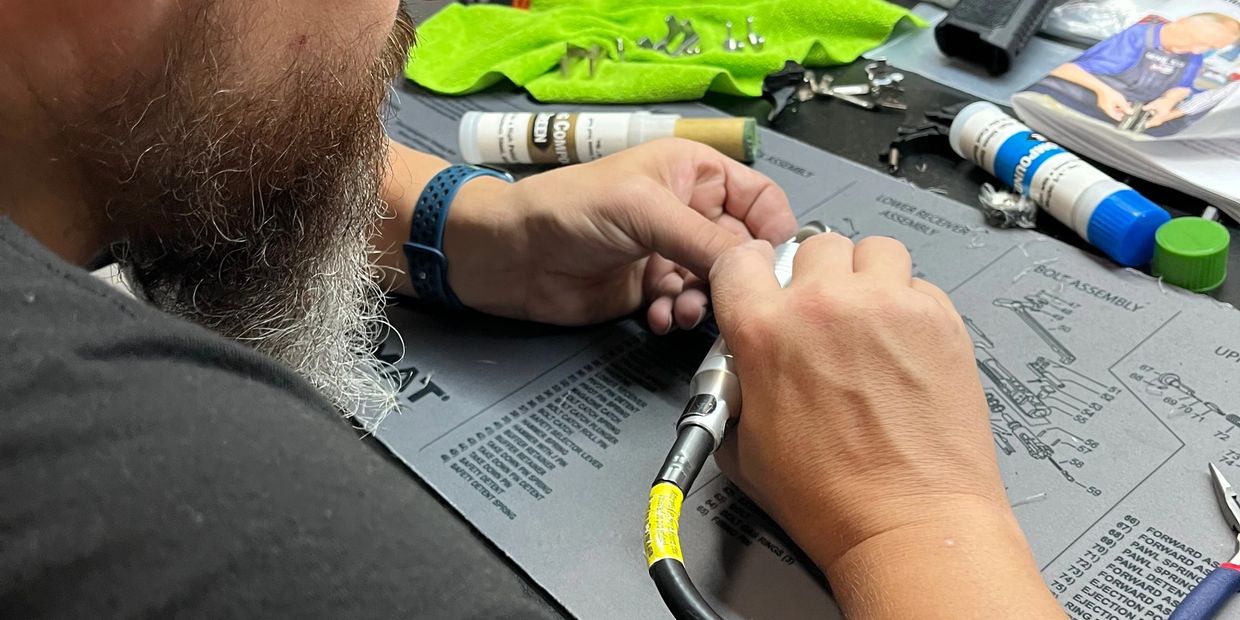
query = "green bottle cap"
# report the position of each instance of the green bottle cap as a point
(1191, 253)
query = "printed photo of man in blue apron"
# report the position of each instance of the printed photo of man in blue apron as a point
(1152, 66)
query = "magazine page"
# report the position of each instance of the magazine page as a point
(1209, 164)
(1174, 73)
(1159, 100)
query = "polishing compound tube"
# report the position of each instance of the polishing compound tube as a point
(571, 137)
(715, 398)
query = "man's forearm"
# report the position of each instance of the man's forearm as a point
(473, 222)
(1074, 73)
(973, 563)
(1175, 95)
(408, 171)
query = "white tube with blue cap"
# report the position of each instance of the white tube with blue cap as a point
(1110, 215)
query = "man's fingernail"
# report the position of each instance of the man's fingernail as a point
(701, 317)
(671, 324)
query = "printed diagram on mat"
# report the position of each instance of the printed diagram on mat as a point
(1034, 309)
(1189, 407)
(1040, 408)
(848, 228)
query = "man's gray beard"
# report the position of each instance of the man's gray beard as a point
(326, 326)
(305, 293)
(253, 215)
(323, 321)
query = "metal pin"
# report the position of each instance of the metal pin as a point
(822, 83)
(687, 46)
(825, 85)
(731, 44)
(803, 93)
(856, 90)
(756, 41)
(893, 160)
(620, 48)
(853, 99)
(690, 41)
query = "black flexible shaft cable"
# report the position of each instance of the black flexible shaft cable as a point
(663, 553)
(716, 399)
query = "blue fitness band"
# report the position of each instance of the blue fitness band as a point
(428, 267)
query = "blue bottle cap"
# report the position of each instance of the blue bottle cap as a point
(1123, 225)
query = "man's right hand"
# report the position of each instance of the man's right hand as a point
(864, 430)
(1112, 103)
(862, 402)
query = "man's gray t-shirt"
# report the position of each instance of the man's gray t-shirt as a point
(150, 467)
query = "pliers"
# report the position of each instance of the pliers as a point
(1213, 592)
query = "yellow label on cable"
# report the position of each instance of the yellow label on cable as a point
(663, 524)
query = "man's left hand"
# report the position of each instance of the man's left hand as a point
(1164, 106)
(594, 241)
(1160, 106)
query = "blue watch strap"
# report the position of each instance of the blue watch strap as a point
(428, 267)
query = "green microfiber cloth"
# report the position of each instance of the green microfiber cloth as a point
(463, 49)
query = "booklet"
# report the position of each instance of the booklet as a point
(1159, 100)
